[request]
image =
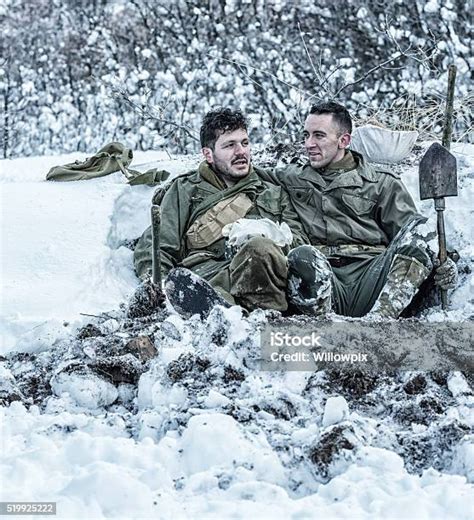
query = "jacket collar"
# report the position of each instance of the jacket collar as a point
(207, 174)
(346, 179)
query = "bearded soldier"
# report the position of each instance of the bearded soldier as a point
(196, 210)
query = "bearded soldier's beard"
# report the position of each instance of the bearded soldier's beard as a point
(229, 170)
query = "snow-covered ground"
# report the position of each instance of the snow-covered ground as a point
(197, 431)
(62, 252)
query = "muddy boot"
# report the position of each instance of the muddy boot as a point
(190, 294)
(403, 281)
(309, 281)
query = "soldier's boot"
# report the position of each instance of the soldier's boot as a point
(258, 275)
(403, 281)
(190, 294)
(309, 281)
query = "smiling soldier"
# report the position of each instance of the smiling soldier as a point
(369, 252)
(194, 212)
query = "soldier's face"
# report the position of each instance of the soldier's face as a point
(324, 142)
(230, 157)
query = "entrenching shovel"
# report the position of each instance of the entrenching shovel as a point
(438, 175)
(438, 179)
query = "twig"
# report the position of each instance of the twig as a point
(101, 317)
(316, 72)
(146, 112)
(326, 79)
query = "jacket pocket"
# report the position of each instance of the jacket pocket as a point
(358, 205)
(300, 195)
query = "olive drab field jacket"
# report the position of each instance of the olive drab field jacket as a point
(196, 207)
(364, 207)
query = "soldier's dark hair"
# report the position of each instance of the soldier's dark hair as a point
(218, 121)
(339, 113)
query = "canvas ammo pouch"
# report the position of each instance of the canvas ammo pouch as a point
(207, 228)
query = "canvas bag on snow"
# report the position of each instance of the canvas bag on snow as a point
(111, 158)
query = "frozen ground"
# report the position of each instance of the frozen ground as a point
(192, 428)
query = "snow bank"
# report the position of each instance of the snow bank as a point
(64, 248)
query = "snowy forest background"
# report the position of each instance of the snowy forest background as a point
(75, 74)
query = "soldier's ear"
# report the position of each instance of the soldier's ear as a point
(344, 140)
(208, 155)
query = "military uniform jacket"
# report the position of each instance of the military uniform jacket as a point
(192, 195)
(365, 206)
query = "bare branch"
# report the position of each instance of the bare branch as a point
(151, 112)
(317, 73)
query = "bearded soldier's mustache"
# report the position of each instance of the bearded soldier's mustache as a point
(237, 159)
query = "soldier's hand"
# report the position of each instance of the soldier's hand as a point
(446, 274)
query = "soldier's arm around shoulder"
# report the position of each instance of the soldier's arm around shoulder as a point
(268, 175)
(281, 175)
(395, 205)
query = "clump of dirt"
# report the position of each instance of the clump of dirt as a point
(353, 383)
(423, 411)
(9, 393)
(415, 385)
(189, 369)
(281, 408)
(89, 331)
(431, 448)
(330, 446)
(119, 369)
(231, 375)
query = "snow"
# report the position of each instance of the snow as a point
(219, 438)
(431, 7)
(458, 385)
(243, 229)
(335, 410)
(216, 400)
(86, 390)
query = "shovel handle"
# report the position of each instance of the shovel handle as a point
(443, 253)
(155, 244)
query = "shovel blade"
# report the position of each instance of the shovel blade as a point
(438, 173)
